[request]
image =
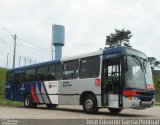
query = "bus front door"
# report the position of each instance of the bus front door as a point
(111, 85)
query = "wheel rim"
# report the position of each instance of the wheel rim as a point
(27, 101)
(88, 104)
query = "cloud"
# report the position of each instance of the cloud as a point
(87, 22)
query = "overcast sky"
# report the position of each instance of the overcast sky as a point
(87, 22)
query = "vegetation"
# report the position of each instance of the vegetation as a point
(156, 80)
(119, 38)
(3, 101)
(153, 62)
(2, 79)
(6, 102)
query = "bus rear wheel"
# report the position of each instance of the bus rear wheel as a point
(90, 104)
(50, 106)
(28, 102)
(114, 110)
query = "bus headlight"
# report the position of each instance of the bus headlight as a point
(130, 97)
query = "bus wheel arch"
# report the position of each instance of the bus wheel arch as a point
(89, 102)
(28, 101)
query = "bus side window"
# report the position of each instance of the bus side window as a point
(42, 73)
(18, 78)
(51, 73)
(89, 67)
(29, 75)
(54, 72)
(70, 69)
(10, 77)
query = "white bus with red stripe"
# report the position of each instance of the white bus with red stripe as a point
(113, 78)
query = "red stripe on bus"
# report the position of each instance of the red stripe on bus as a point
(35, 99)
(129, 93)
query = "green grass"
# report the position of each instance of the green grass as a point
(156, 80)
(3, 73)
(4, 101)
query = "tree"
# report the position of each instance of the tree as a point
(153, 62)
(119, 38)
(156, 63)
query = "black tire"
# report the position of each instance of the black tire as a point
(50, 106)
(90, 104)
(28, 102)
(114, 110)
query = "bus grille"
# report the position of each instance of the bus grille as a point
(146, 96)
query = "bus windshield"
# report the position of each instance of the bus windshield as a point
(135, 76)
(139, 74)
(148, 74)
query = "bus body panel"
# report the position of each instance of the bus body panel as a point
(58, 92)
(69, 91)
(72, 89)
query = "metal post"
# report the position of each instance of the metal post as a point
(24, 61)
(7, 61)
(14, 52)
(19, 61)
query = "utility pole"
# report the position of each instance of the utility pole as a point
(14, 50)
(7, 61)
(52, 51)
(19, 61)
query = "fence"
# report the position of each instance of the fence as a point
(6, 61)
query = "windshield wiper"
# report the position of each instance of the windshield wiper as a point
(144, 64)
(138, 62)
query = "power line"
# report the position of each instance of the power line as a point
(35, 45)
(31, 44)
(5, 33)
(4, 42)
(3, 51)
(20, 50)
(23, 48)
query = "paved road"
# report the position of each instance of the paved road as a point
(75, 112)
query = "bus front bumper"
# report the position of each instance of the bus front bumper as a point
(142, 104)
(136, 103)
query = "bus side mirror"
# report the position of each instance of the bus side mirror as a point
(125, 64)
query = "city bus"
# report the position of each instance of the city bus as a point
(114, 78)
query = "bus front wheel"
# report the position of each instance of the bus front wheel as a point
(28, 102)
(90, 104)
(114, 110)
